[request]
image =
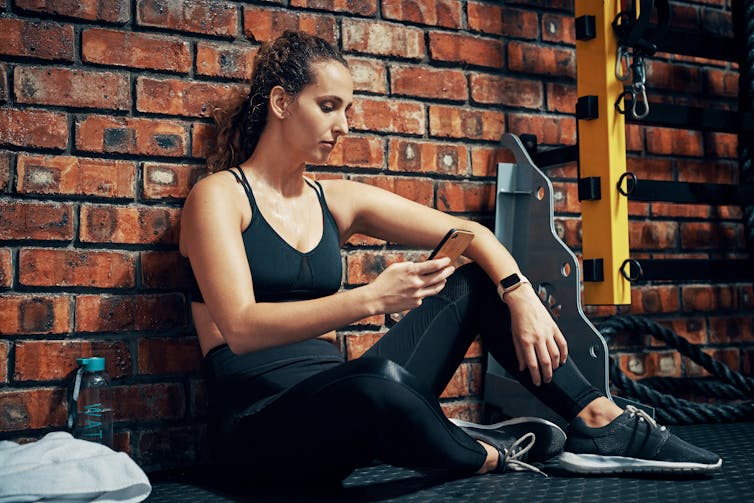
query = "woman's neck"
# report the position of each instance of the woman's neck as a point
(277, 169)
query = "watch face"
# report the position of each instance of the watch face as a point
(509, 281)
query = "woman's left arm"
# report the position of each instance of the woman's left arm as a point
(364, 209)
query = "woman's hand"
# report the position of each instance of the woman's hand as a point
(404, 285)
(540, 346)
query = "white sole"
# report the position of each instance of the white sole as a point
(593, 463)
(510, 422)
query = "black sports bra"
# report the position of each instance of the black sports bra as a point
(280, 272)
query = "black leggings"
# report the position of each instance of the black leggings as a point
(384, 405)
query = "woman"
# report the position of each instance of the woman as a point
(263, 242)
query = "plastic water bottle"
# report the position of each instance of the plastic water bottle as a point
(91, 415)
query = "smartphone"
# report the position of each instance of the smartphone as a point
(452, 245)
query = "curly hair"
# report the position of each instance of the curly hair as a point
(286, 62)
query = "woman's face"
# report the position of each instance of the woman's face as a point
(318, 115)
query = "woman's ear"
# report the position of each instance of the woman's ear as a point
(279, 101)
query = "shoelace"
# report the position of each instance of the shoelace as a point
(518, 450)
(643, 416)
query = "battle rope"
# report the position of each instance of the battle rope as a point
(671, 410)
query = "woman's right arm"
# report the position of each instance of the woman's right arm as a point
(211, 239)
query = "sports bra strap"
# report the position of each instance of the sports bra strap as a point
(245, 184)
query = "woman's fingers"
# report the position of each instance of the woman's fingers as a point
(532, 363)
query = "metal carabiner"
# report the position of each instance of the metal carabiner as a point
(622, 65)
(639, 94)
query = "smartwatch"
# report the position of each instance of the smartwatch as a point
(510, 283)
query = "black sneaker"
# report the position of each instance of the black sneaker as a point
(633, 442)
(549, 438)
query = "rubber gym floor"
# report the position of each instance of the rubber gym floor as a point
(734, 442)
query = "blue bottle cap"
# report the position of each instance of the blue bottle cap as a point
(94, 364)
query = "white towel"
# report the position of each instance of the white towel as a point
(58, 467)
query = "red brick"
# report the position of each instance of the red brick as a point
(111, 11)
(425, 157)
(558, 28)
(746, 296)
(360, 152)
(6, 268)
(542, 60)
(202, 139)
(464, 410)
(49, 360)
(129, 225)
(719, 82)
(75, 175)
(178, 97)
(652, 235)
(33, 408)
(64, 267)
(388, 116)
(660, 363)
(674, 142)
(704, 235)
(143, 402)
(707, 298)
(673, 76)
(693, 330)
(164, 269)
(419, 190)
(445, 13)
(561, 98)
(224, 60)
(566, 197)
(721, 145)
(358, 7)
(492, 89)
(453, 122)
(520, 23)
(465, 49)
(4, 350)
(132, 136)
(672, 210)
(72, 88)
(383, 39)
(108, 313)
(364, 266)
(209, 17)
(358, 343)
(487, 18)
(738, 329)
(169, 355)
(429, 83)
(48, 221)
(550, 129)
(650, 169)
(484, 160)
(170, 181)
(707, 171)
(34, 314)
(263, 24)
(41, 40)
(4, 93)
(5, 163)
(465, 196)
(33, 128)
(634, 138)
(368, 75)
(654, 299)
(459, 383)
(135, 50)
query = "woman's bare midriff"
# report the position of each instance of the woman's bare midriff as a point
(209, 334)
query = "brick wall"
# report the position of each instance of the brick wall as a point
(104, 128)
